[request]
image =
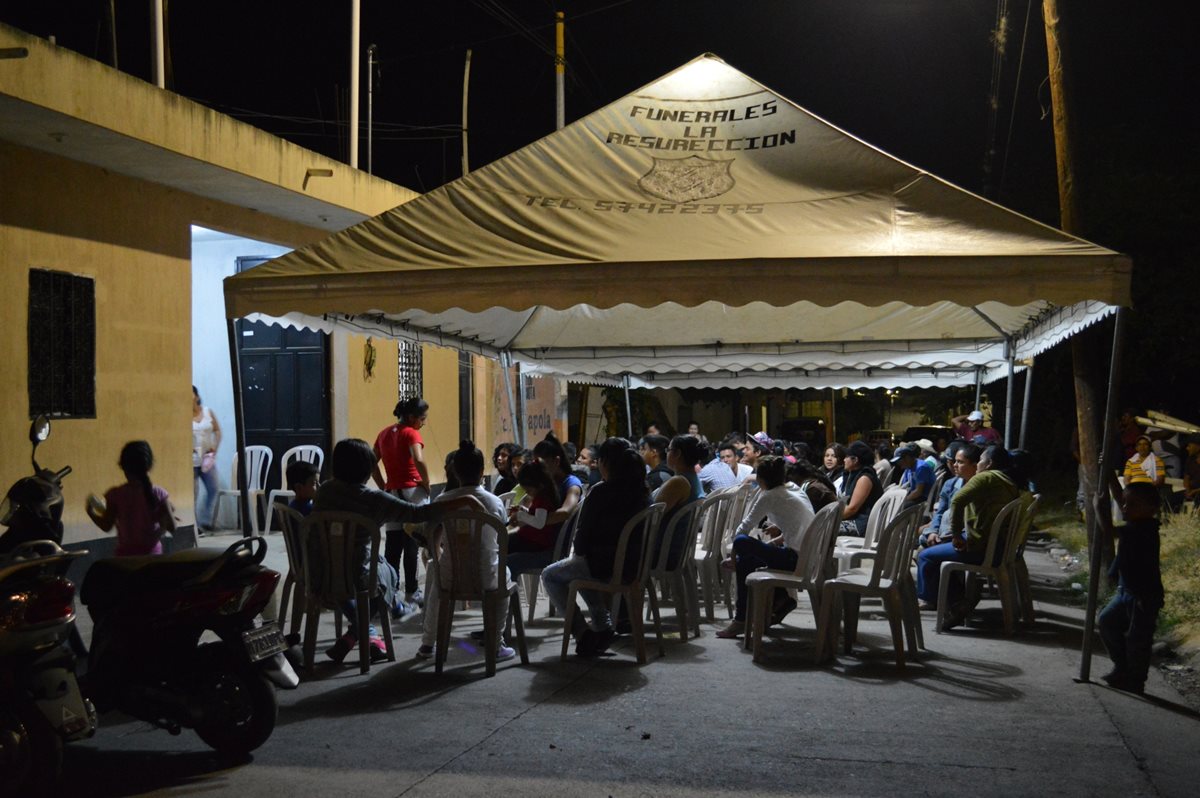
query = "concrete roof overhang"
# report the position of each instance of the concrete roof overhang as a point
(60, 102)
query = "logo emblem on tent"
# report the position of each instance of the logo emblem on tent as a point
(687, 179)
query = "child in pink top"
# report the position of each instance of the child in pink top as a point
(140, 510)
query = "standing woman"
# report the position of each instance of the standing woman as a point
(206, 438)
(400, 449)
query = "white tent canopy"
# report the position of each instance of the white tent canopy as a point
(704, 229)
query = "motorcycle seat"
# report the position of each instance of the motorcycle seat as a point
(110, 580)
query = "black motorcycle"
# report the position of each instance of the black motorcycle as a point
(147, 659)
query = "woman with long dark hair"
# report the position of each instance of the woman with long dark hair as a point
(621, 495)
(860, 488)
(833, 463)
(506, 476)
(400, 448)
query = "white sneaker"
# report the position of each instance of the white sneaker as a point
(425, 652)
(505, 652)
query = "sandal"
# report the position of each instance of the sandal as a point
(733, 631)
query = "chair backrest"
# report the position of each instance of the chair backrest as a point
(683, 525)
(934, 492)
(896, 543)
(882, 513)
(566, 531)
(290, 523)
(308, 452)
(507, 499)
(816, 548)
(466, 540)
(333, 554)
(259, 458)
(648, 521)
(1003, 529)
(743, 496)
(714, 510)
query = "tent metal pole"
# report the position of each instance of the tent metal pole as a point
(1025, 403)
(1008, 406)
(505, 362)
(239, 421)
(521, 404)
(628, 410)
(978, 387)
(1110, 424)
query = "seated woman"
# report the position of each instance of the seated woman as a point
(789, 514)
(531, 546)
(464, 477)
(833, 464)
(815, 485)
(860, 488)
(683, 454)
(570, 490)
(620, 496)
(351, 464)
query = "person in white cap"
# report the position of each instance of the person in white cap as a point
(970, 428)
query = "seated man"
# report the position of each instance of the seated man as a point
(789, 514)
(303, 480)
(918, 475)
(352, 463)
(966, 460)
(725, 470)
(465, 466)
(972, 512)
(653, 449)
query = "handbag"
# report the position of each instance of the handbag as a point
(208, 461)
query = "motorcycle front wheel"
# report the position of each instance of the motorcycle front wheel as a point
(240, 710)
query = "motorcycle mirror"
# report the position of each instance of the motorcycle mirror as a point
(39, 430)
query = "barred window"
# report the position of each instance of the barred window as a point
(410, 382)
(62, 345)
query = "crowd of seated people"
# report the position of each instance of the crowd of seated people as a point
(962, 488)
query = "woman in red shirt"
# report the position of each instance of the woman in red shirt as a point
(400, 449)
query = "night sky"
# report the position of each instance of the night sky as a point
(912, 77)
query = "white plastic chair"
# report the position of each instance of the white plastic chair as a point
(679, 579)
(531, 580)
(259, 458)
(308, 452)
(634, 591)
(812, 567)
(884, 580)
(851, 551)
(706, 561)
(293, 591)
(461, 537)
(332, 574)
(1005, 538)
(1020, 570)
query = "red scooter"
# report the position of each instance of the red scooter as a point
(147, 659)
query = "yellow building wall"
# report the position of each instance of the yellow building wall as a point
(440, 377)
(370, 400)
(134, 239)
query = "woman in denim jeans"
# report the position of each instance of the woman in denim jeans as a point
(609, 506)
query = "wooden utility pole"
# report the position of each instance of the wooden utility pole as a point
(1082, 366)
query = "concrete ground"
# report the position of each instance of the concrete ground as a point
(979, 713)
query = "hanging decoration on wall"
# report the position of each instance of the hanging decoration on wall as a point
(368, 360)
